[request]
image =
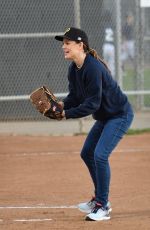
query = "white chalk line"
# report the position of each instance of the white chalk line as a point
(39, 207)
(39, 153)
(31, 220)
(28, 220)
(72, 152)
(35, 207)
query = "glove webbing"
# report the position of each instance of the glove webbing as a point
(50, 95)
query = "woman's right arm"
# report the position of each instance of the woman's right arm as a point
(70, 100)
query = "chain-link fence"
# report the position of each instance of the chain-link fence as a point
(30, 57)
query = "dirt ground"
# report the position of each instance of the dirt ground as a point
(42, 179)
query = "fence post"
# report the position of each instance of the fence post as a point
(77, 20)
(139, 53)
(118, 43)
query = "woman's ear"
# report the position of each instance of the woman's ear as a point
(81, 45)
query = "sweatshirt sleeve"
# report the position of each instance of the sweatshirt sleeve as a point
(93, 90)
(71, 100)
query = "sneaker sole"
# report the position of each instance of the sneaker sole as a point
(96, 219)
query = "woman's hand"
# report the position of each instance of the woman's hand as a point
(61, 103)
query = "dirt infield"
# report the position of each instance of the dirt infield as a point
(42, 179)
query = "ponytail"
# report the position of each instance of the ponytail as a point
(95, 55)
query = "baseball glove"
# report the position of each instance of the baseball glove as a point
(46, 103)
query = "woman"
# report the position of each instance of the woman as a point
(92, 91)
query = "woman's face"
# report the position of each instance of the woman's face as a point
(72, 49)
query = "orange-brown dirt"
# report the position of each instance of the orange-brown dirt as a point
(47, 171)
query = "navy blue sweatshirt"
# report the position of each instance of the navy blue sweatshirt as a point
(92, 90)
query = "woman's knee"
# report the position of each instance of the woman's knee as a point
(83, 154)
(86, 153)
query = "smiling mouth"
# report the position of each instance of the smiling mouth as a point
(66, 52)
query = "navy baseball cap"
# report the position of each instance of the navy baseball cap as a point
(74, 34)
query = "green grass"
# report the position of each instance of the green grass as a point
(129, 79)
(129, 83)
(138, 131)
(130, 132)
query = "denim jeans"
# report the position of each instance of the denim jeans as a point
(99, 144)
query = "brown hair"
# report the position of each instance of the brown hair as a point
(94, 53)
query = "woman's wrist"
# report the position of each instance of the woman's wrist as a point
(63, 114)
(61, 103)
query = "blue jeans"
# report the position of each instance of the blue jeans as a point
(100, 142)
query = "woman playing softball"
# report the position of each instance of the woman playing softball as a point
(93, 91)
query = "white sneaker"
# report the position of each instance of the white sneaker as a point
(108, 207)
(98, 213)
(87, 207)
